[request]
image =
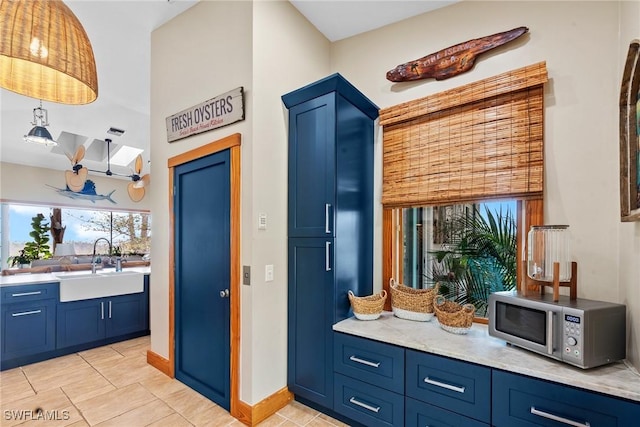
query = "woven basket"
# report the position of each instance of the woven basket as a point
(412, 304)
(453, 317)
(369, 307)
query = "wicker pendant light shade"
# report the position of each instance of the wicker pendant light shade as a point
(45, 52)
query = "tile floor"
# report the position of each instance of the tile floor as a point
(114, 386)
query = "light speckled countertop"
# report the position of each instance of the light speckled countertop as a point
(478, 347)
(34, 279)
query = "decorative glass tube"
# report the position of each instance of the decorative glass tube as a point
(548, 244)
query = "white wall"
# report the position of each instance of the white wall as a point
(202, 53)
(579, 42)
(30, 185)
(629, 233)
(288, 53)
(270, 49)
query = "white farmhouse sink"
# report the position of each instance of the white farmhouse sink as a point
(80, 286)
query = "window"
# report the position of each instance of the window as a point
(129, 232)
(468, 249)
(446, 155)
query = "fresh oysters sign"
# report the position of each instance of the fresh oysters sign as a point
(217, 112)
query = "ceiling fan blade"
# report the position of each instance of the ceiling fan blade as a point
(79, 155)
(135, 194)
(69, 156)
(138, 167)
(75, 181)
(143, 181)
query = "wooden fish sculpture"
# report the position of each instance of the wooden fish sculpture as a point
(452, 60)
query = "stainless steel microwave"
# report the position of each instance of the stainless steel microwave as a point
(581, 332)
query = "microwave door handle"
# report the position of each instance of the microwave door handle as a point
(550, 332)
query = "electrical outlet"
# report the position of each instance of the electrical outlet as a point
(268, 273)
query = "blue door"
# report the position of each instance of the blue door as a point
(202, 275)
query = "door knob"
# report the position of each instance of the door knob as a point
(224, 294)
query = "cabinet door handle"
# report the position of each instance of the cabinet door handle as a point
(26, 313)
(327, 256)
(102, 311)
(364, 362)
(327, 207)
(550, 332)
(24, 294)
(109, 309)
(364, 405)
(444, 385)
(557, 418)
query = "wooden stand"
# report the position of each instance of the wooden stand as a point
(572, 284)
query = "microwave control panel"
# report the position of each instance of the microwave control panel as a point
(572, 338)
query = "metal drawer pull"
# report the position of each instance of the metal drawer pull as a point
(364, 362)
(102, 310)
(109, 309)
(444, 385)
(364, 405)
(327, 256)
(327, 206)
(24, 294)
(26, 313)
(563, 420)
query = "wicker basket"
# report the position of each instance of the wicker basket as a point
(369, 307)
(453, 317)
(412, 304)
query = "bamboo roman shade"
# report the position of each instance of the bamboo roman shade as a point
(479, 141)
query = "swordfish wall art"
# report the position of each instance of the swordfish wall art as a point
(452, 60)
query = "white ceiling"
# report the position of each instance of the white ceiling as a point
(120, 33)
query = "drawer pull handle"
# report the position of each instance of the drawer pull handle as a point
(327, 206)
(364, 405)
(444, 385)
(364, 362)
(26, 313)
(24, 294)
(327, 256)
(563, 420)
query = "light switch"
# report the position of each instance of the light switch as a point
(268, 273)
(262, 221)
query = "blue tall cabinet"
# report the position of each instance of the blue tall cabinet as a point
(330, 224)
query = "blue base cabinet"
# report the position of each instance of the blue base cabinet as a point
(36, 326)
(28, 320)
(330, 224)
(520, 401)
(87, 321)
(379, 384)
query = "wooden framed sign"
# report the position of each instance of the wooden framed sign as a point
(212, 114)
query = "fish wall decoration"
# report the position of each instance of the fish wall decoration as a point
(452, 60)
(88, 192)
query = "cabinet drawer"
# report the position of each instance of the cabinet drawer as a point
(27, 329)
(367, 404)
(370, 361)
(450, 384)
(522, 401)
(422, 414)
(17, 294)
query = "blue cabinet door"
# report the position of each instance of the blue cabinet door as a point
(312, 168)
(28, 328)
(310, 346)
(126, 314)
(81, 322)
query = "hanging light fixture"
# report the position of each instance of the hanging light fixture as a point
(39, 134)
(45, 52)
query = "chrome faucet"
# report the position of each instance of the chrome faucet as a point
(93, 256)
